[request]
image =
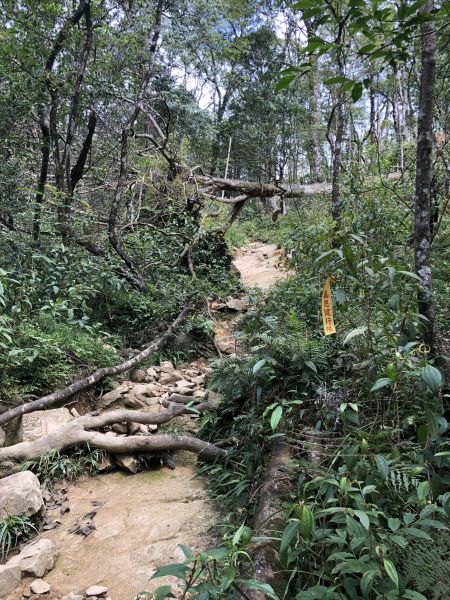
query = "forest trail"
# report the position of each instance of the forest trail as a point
(140, 519)
(259, 266)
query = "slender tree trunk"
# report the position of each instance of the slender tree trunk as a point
(45, 150)
(215, 153)
(314, 154)
(397, 113)
(336, 200)
(336, 203)
(422, 228)
(372, 135)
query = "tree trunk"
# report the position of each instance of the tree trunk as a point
(82, 430)
(336, 202)
(269, 516)
(422, 221)
(314, 154)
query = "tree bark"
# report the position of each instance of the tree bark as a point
(422, 220)
(315, 158)
(82, 430)
(47, 119)
(95, 377)
(269, 516)
(336, 201)
(42, 181)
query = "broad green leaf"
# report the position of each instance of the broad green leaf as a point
(253, 584)
(186, 551)
(228, 578)
(357, 91)
(381, 383)
(161, 593)
(410, 274)
(391, 571)
(367, 581)
(399, 540)
(417, 533)
(382, 465)
(364, 519)
(354, 333)
(285, 82)
(336, 80)
(306, 522)
(259, 365)
(423, 489)
(237, 535)
(276, 417)
(412, 595)
(409, 518)
(311, 365)
(367, 49)
(394, 524)
(432, 377)
(289, 535)
(174, 570)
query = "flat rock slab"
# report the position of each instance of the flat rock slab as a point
(139, 526)
(42, 422)
(20, 494)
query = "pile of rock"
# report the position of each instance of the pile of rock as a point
(147, 389)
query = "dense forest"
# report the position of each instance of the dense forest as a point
(144, 145)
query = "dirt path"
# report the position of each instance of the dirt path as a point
(140, 521)
(259, 266)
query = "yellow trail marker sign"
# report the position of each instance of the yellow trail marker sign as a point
(327, 308)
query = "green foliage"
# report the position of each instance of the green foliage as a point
(214, 574)
(55, 465)
(341, 532)
(13, 531)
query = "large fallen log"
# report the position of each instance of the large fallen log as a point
(95, 377)
(83, 430)
(255, 189)
(269, 516)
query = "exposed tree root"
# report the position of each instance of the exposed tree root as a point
(95, 377)
(269, 516)
(82, 430)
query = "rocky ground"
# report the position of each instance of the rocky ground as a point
(104, 536)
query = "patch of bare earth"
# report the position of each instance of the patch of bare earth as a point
(140, 520)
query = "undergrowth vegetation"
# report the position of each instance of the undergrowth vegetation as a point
(363, 412)
(55, 466)
(65, 313)
(13, 531)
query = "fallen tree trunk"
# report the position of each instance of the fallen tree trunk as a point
(82, 430)
(269, 516)
(95, 377)
(255, 189)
